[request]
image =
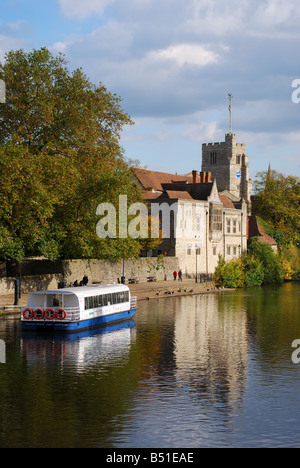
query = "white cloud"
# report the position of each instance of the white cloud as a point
(203, 132)
(190, 54)
(81, 9)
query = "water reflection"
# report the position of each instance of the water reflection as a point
(211, 349)
(80, 351)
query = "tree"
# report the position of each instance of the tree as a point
(60, 157)
(277, 201)
(273, 272)
(53, 110)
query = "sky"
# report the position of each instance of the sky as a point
(173, 63)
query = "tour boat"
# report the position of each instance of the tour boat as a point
(77, 308)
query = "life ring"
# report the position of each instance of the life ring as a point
(40, 311)
(59, 316)
(25, 314)
(52, 316)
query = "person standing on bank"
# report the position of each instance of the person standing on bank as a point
(180, 275)
(175, 275)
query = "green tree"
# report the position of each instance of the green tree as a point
(273, 272)
(253, 271)
(60, 157)
(277, 201)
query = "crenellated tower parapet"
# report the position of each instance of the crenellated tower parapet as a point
(228, 163)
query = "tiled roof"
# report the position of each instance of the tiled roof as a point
(256, 230)
(226, 202)
(152, 180)
(183, 195)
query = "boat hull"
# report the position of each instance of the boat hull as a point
(69, 327)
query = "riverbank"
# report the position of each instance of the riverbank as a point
(143, 291)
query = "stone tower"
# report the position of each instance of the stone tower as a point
(228, 164)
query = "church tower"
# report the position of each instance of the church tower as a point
(228, 164)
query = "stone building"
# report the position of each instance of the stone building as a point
(228, 164)
(198, 222)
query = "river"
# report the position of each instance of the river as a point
(213, 370)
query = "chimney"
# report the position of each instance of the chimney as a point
(208, 177)
(202, 177)
(195, 177)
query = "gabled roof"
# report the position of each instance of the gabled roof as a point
(227, 203)
(162, 185)
(230, 195)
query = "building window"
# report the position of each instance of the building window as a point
(214, 250)
(215, 218)
(228, 226)
(189, 250)
(234, 248)
(228, 250)
(213, 158)
(234, 226)
(238, 159)
(198, 219)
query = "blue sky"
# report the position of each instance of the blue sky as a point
(174, 62)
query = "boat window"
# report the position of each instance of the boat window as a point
(53, 300)
(106, 299)
(115, 298)
(109, 299)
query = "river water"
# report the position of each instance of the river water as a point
(213, 370)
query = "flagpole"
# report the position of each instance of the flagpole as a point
(229, 108)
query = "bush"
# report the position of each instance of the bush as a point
(273, 271)
(229, 274)
(253, 271)
(260, 266)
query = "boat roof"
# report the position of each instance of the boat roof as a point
(85, 291)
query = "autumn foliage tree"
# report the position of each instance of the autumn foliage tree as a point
(59, 158)
(277, 201)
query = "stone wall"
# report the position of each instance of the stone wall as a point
(96, 270)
